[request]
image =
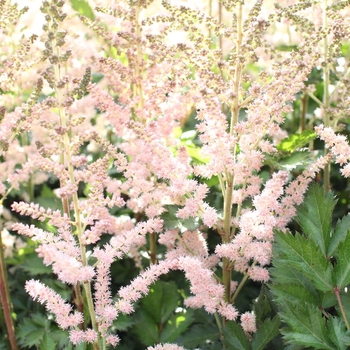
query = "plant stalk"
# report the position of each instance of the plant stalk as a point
(5, 300)
(326, 96)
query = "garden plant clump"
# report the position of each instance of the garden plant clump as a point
(174, 174)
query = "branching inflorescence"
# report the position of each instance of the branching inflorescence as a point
(118, 137)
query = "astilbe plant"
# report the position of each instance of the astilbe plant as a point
(149, 90)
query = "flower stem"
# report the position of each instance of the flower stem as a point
(5, 303)
(326, 96)
(341, 307)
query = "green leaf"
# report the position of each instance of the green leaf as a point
(176, 325)
(161, 301)
(295, 141)
(47, 343)
(295, 160)
(29, 334)
(294, 293)
(262, 306)
(234, 337)
(342, 267)
(341, 231)
(338, 333)
(307, 326)
(198, 335)
(145, 328)
(285, 274)
(83, 8)
(265, 333)
(34, 265)
(61, 337)
(123, 322)
(304, 255)
(315, 217)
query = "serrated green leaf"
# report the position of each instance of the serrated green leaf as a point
(145, 328)
(341, 231)
(40, 320)
(327, 300)
(234, 337)
(161, 301)
(265, 333)
(176, 325)
(197, 335)
(47, 343)
(338, 333)
(31, 330)
(262, 305)
(83, 8)
(342, 267)
(304, 255)
(286, 274)
(32, 338)
(61, 337)
(295, 141)
(307, 326)
(294, 293)
(34, 265)
(123, 322)
(315, 217)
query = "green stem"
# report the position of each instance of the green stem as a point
(326, 96)
(218, 322)
(304, 103)
(66, 159)
(239, 288)
(341, 307)
(153, 247)
(5, 300)
(226, 269)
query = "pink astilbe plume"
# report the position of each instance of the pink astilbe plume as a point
(248, 322)
(101, 121)
(54, 303)
(338, 146)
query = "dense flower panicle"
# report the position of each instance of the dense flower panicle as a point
(118, 140)
(207, 292)
(105, 310)
(88, 336)
(54, 303)
(140, 286)
(338, 146)
(248, 322)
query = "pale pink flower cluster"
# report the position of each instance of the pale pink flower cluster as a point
(54, 303)
(140, 285)
(105, 311)
(338, 145)
(77, 336)
(207, 292)
(248, 322)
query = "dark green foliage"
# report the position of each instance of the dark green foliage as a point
(40, 332)
(309, 274)
(157, 319)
